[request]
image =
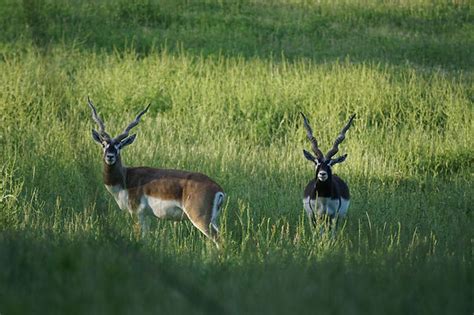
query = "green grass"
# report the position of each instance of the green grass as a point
(227, 81)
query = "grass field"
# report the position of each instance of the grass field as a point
(227, 80)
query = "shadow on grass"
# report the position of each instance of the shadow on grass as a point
(48, 273)
(435, 35)
(53, 274)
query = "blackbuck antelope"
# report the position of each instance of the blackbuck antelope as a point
(164, 193)
(326, 196)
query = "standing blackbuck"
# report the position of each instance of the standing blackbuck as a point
(326, 197)
(164, 193)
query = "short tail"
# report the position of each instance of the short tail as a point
(216, 207)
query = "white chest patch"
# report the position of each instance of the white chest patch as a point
(322, 206)
(120, 196)
(164, 209)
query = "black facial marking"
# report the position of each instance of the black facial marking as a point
(324, 166)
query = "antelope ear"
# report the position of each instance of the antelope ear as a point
(337, 160)
(309, 156)
(96, 137)
(127, 141)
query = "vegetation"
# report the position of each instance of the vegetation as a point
(227, 80)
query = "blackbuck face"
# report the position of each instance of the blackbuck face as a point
(326, 195)
(162, 193)
(112, 146)
(323, 166)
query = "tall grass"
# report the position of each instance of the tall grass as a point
(233, 113)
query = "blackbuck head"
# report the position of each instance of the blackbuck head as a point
(323, 163)
(112, 146)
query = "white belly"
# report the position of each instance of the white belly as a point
(326, 206)
(161, 208)
(164, 209)
(120, 195)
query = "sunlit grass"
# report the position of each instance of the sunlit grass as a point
(406, 245)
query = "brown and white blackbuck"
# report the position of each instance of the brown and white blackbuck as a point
(163, 193)
(326, 197)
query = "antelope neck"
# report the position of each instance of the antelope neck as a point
(114, 174)
(323, 189)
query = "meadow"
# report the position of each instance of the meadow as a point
(226, 81)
